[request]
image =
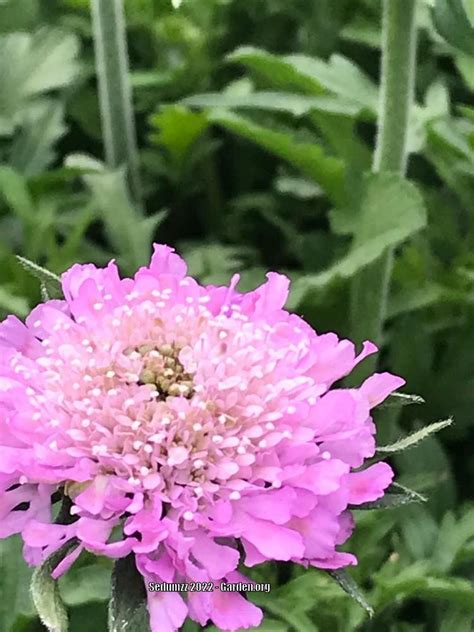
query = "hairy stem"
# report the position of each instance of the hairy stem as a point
(371, 287)
(115, 94)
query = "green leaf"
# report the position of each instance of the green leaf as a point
(390, 500)
(14, 190)
(277, 70)
(45, 591)
(268, 625)
(177, 130)
(392, 210)
(33, 149)
(15, 575)
(32, 64)
(83, 163)
(452, 19)
(85, 584)
(348, 584)
(452, 536)
(409, 299)
(469, 9)
(457, 618)
(414, 438)
(340, 76)
(127, 607)
(129, 233)
(50, 282)
(296, 104)
(308, 158)
(311, 75)
(395, 400)
(12, 303)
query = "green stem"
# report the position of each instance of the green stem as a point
(371, 287)
(115, 93)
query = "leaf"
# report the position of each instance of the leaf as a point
(14, 190)
(340, 76)
(468, 6)
(267, 625)
(311, 75)
(308, 158)
(395, 400)
(457, 618)
(453, 24)
(177, 130)
(85, 584)
(45, 591)
(33, 149)
(392, 210)
(410, 299)
(12, 303)
(49, 281)
(127, 607)
(414, 438)
(452, 536)
(14, 576)
(32, 64)
(83, 163)
(392, 500)
(295, 104)
(277, 70)
(129, 233)
(347, 583)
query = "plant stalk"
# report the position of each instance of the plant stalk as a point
(370, 289)
(115, 93)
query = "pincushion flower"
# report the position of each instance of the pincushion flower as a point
(198, 422)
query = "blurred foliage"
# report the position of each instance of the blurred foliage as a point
(256, 122)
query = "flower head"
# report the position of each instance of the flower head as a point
(198, 421)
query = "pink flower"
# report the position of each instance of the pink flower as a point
(190, 417)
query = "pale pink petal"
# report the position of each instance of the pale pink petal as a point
(369, 484)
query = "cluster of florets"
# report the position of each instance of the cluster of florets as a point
(197, 421)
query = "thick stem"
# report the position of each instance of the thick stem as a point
(370, 288)
(115, 94)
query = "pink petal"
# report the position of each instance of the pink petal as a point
(379, 386)
(369, 484)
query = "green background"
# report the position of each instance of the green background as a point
(239, 178)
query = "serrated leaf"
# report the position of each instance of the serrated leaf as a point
(177, 129)
(296, 104)
(392, 500)
(309, 158)
(392, 210)
(453, 24)
(347, 583)
(452, 537)
(32, 64)
(414, 438)
(45, 591)
(395, 400)
(128, 606)
(50, 282)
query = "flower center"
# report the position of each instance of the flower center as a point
(162, 370)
